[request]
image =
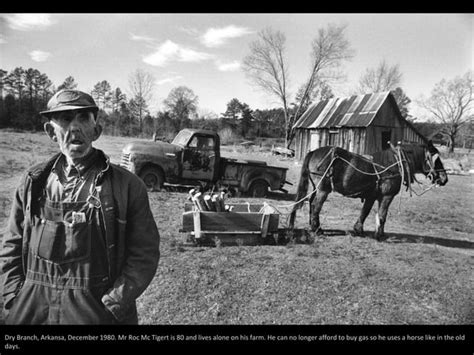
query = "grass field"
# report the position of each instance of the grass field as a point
(423, 273)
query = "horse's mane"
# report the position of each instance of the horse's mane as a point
(414, 154)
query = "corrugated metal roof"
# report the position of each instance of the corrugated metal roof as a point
(353, 111)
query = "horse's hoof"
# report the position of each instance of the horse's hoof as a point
(381, 238)
(357, 233)
(318, 232)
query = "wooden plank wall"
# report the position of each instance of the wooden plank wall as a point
(410, 136)
(301, 143)
(229, 221)
(351, 139)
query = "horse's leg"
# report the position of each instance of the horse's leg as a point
(384, 203)
(315, 208)
(315, 183)
(311, 199)
(291, 224)
(364, 212)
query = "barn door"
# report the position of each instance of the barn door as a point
(386, 137)
(333, 138)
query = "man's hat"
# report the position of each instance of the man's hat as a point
(66, 100)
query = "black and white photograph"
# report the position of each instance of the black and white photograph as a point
(233, 178)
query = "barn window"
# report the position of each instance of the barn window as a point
(333, 137)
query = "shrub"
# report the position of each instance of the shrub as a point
(228, 136)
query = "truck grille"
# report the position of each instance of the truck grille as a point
(125, 161)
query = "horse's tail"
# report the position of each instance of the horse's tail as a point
(302, 189)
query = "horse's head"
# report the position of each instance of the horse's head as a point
(435, 170)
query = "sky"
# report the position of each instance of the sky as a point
(204, 52)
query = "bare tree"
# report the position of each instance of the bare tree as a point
(328, 50)
(182, 104)
(266, 67)
(451, 103)
(383, 78)
(320, 91)
(141, 85)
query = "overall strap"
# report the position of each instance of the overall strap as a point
(28, 215)
(109, 214)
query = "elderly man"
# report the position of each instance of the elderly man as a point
(82, 243)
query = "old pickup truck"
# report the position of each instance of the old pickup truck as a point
(194, 157)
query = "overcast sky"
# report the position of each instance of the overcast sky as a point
(204, 51)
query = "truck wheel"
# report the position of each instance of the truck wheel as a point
(258, 188)
(153, 178)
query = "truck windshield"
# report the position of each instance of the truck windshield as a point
(182, 138)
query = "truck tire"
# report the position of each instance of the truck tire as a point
(153, 178)
(259, 188)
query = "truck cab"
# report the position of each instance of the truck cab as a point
(201, 154)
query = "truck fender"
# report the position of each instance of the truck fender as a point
(250, 177)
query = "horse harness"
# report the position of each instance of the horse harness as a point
(334, 156)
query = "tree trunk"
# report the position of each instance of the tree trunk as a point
(288, 135)
(451, 143)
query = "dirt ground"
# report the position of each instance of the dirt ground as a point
(422, 274)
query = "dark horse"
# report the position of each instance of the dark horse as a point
(352, 175)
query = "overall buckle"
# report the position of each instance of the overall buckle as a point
(94, 201)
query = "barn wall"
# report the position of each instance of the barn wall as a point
(298, 143)
(315, 139)
(386, 119)
(410, 136)
(351, 139)
(371, 142)
(302, 141)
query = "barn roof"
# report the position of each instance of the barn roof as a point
(353, 111)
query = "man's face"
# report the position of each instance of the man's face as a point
(74, 131)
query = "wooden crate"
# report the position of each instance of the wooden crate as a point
(239, 227)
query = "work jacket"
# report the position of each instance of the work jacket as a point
(131, 235)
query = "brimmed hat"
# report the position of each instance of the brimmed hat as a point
(66, 100)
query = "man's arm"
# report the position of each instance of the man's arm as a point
(11, 252)
(142, 253)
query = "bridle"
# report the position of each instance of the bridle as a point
(431, 174)
(430, 160)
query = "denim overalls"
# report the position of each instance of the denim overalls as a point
(67, 268)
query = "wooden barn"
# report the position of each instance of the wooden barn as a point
(362, 124)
